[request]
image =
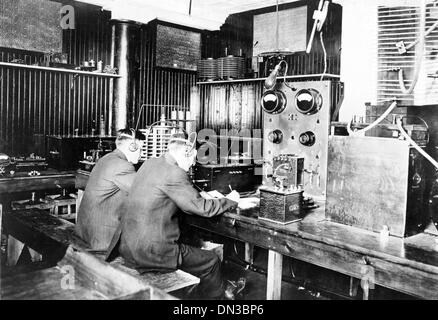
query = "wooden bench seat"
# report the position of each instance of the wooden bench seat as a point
(78, 276)
(168, 282)
(50, 237)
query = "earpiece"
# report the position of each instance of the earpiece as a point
(133, 146)
(190, 143)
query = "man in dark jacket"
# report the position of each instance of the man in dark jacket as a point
(108, 185)
(150, 229)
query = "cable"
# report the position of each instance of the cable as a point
(285, 74)
(285, 70)
(372, 125)
(325, 55)
(419, 59)
(413, 44)
(424, 122)
(401, 80)
(412, 142)
(265, 171)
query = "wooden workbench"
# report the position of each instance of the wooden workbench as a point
(50, 179)
(407, 265)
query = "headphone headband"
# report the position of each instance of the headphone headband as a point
(132, 136)
(133, 146)
(189, 142)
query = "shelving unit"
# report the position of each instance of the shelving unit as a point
(263, 79)
(30, 67)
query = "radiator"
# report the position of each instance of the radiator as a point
(408, 22)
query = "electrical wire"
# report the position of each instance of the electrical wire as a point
(424, 122)
(285, 70)
(401, 80)
(265, 171)
(428, 32)
(372, 125)
(412, 142)
(321, 37)
(285, 74)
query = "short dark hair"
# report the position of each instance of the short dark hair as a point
(127, 133)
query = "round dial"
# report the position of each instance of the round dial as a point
(307, 138)
(273, 101)
(275, 136)
(308, 101)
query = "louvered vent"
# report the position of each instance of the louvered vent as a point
(408, 24)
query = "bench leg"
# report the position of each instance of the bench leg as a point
(366, 290)
(354, 285)
(249, 252)
(14, 249)
(275, 270)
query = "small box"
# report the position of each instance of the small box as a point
(281, 205)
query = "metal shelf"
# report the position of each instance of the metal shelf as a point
(326, 76)
(30, 67)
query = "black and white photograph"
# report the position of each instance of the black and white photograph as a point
(219, 156)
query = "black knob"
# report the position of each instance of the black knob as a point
(273, 102)
(275, 136)
(307, 138)
(308, 101)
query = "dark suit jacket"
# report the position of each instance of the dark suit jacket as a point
(102, 202)
(150, 229)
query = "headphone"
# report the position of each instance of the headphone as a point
(133, 146)
(190, 143)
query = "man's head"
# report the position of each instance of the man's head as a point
(183, 149)
(129, 142)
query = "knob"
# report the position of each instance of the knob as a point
(416, 180)
(273, 101)
(308, 101)
(307, 138)
(275, 136)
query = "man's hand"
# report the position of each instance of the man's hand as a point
(234, 195)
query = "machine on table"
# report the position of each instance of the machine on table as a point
(62, 205)
(296, 122)
(32, 165)
(228, 161)
(378, 181)
(71, 152)
(240, 177)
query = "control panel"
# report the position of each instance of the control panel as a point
(296, 120)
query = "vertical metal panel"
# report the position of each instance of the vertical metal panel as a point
(36, 102)
(159, 88)
(231, 106)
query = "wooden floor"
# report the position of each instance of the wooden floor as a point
(40, 286)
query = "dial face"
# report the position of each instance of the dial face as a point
(273, 102)
(308, 101)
